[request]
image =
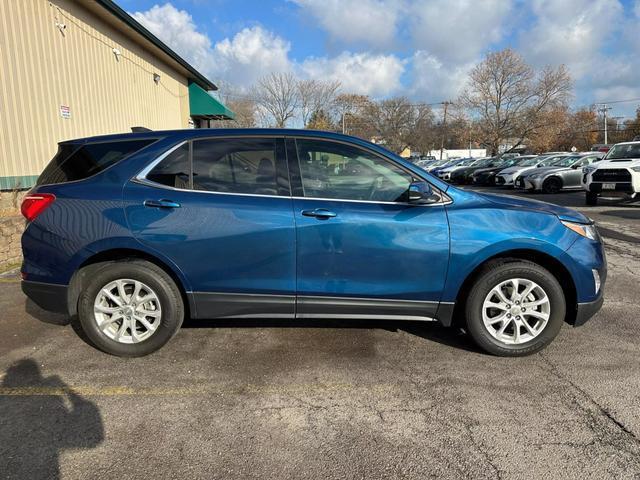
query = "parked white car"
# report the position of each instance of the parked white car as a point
(616, 175)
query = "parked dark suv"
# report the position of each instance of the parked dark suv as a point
(134, 232)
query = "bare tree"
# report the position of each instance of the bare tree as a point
(314, 96)
(399, 123)
(239, 102)
(277, 96)
(510, 98)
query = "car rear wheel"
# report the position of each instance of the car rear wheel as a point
(515, 308)
(552, 185)
(130, 308)
(591, 199)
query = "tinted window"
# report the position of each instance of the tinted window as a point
(629, 150)
(238, 166)
(75, 162)
(173, 170)
(336, 170)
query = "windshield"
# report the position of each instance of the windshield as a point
(620, 152)
(530, 162)
(507, 162)
(467, 162)
(565, 161)
(439, 163)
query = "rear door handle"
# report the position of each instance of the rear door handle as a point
(161, 203)
(319, 213)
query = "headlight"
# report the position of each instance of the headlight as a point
(635, 169)
(587, 170)
(587, 231)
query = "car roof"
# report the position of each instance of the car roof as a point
(187, 133)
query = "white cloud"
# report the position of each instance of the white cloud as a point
(176, 28)
(435, 81)
(570, 32)
(457, 31)
(363, 73)
(250, 54)
(368, 22)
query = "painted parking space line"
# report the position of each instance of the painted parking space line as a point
(192, 390)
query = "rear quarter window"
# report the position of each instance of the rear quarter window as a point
(75, 162)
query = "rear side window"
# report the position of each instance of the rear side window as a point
(174, 170)
(77, 162)
(245, 165)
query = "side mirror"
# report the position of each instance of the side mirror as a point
(421, 193)
(575, 166)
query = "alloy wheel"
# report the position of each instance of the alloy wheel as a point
(127, 311)
(516, 311)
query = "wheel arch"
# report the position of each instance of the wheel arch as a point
(118, 254)
(554, 177)
(550, 263)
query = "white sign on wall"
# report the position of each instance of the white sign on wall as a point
(65, 111)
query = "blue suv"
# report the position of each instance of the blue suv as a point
(132, 233)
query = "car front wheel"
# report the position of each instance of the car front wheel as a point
(515, 308)
(130, 308)
(552, 185)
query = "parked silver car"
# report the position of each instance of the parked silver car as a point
(507, 176)
(564, 173)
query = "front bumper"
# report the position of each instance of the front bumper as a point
(529, 183)
(48, 296)
(587, 310)
(621, 187)
(504, 180)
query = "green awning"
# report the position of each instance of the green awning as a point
(203, 105)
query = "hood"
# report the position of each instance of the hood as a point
(538, 170)
(618, 163)
(517, 169)
(484, 169)
(563, 213)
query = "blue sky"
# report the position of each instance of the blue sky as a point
(419, 48)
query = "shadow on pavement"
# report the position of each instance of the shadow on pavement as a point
(434, 332)
(42, 315)
(41, 417)
(627, 214)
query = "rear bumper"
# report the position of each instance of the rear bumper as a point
(48, 296)
(587, 310)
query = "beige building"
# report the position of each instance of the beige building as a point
(75, 68)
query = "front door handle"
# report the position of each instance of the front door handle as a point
(161, 203)
(319, 213)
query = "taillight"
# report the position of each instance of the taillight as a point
(36, 203)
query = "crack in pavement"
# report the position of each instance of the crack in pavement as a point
(604, 412)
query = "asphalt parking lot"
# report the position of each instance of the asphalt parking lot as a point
(284, 399)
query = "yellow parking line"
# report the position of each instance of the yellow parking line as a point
(184, 390)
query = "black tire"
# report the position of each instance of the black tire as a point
(591, 199)
(499, 271)
(552, 185)
(158, 280)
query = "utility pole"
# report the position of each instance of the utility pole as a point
(603, 109)
(444, 124)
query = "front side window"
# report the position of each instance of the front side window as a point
(346, 172)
